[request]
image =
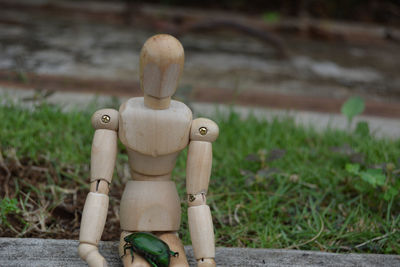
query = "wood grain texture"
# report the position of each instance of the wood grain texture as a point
(31, 252)
(145, 177)
(212, 130)
(156, 103)
(201, 231)
(197, 199)
(100, 186)
(105, 119)
(150, 206)
(93, 218)
(104, 154)
(161, 64)
(149, 165)
(154, 132)
(206, 263)
(175, 244)
(91, 255)
(198, 167)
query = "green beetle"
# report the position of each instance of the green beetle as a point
(150, 247)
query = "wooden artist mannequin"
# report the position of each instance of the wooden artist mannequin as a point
(154, 130)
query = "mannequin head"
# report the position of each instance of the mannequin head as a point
(161, 65)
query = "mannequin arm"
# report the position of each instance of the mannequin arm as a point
(104, 150)
(198, 171)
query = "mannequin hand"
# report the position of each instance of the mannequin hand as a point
(90, 254)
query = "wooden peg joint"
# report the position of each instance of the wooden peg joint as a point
(156, 103)
(207, 262)
(197, 199)
(100, 186)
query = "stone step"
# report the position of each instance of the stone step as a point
(50, 253)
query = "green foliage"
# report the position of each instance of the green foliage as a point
(375, 178)
(391, 192)
(8, 206)
(47, 132)
(353, 168)
(271, 16)
(352, 107)
(362, 128)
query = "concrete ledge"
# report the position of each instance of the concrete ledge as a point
(50, 252)
(380, 127)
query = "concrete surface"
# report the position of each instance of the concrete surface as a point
(379, 127)
(50, 253)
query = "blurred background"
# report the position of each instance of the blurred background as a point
(301, 55)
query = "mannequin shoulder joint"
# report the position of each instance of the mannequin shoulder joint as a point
(105, 119)
(204, 130)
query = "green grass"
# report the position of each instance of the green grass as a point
(273, 184)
